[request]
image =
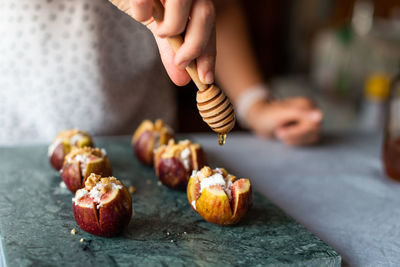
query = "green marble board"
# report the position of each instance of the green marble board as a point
(36, 219)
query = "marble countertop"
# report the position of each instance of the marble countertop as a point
(36, 216)
(337, 190)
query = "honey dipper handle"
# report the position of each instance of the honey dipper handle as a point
(176, 42)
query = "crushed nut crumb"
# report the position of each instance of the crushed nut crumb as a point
(132, 189)
(174, 149)
(82, 240)
(91, 181)
(84, 152)
(205, 172)
(73, 231)
(172, 241)
(107, 182)
(184, 233)
(167, 233)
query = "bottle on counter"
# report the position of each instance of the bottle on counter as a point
(374, 106)
(391, 142)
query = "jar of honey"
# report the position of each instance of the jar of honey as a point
(391, 142)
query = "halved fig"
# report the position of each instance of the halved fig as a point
(174, 163)
(103, 207)
(218, 196)
(80, 163)
(148, 137)
(64, 142)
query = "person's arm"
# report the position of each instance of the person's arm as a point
(295, 121)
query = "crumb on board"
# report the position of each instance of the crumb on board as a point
(82, 240)
(73, 231)
(184, 233)
(132, 189)
(172, 241)
(167, 233)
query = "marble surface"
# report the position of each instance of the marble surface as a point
(337, 190)
(36, 219)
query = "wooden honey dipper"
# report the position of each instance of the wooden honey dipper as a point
(214, 106)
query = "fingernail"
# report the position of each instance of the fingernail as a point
(209, 78)
(315, 116)
(183, 65)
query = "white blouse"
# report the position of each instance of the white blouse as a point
(76, 63)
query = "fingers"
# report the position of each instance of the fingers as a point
(176, 15)
(199, 38)
(300, 134)
(303, 131)
(301, 103)
(294, 121)
(206, 61)
(141, 10)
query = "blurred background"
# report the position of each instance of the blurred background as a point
(341, 53)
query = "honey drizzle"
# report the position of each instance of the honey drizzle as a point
(221, 139)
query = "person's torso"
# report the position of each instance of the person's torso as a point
(76, 63)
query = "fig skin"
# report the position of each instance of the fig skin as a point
(213, 204)
(57, 157)
(171, 171)
(144, 148)
(64, 146)
(148, 137)
(74, 178)
(109, 219)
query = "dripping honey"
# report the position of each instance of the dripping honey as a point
(221, 139)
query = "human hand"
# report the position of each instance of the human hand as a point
(294, 121)
(196, 18)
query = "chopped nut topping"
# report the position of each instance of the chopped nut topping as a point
(67, 134)
(158, 127)
(82, 240)
(223, 171)
(73, 231)
(85, 152)
(174, 149)
(107, 182)
(71, 136)
(132, 189)
(217, 177)
(91, 181)
(205, 172)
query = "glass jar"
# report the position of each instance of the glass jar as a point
(391, 142)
